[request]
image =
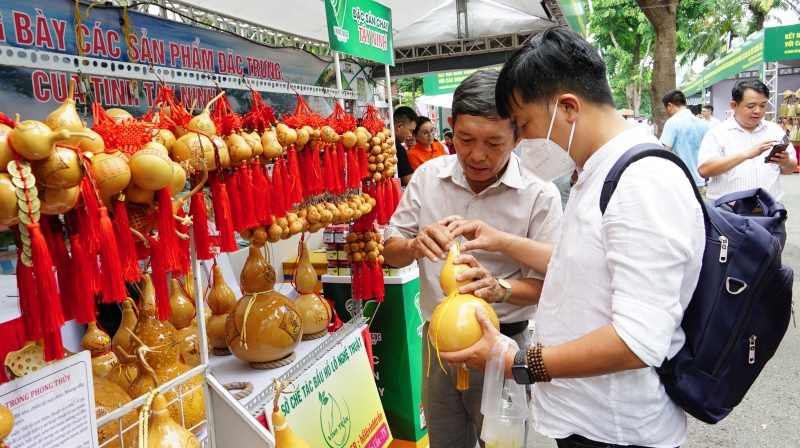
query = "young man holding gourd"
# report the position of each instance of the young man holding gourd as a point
(485, 181)
(617, 283)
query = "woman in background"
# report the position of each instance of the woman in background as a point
(426, 147)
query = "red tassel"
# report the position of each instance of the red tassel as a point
(66, 276)
(159, 275)
(287, 192)
(197, 208)
(234, 195)
(316, 169)
(377, 280)
(84, 306)
(341, 165)
(184, 253)
(259, 191)
(358, 281)
(92, 206)
(26, 284)
(246, 190)
(352, 169)
(166, 231)
(47, 302)
(222, 215)
(278, 196)
(113, 286)
(125, 245)
(92, 272)
(295, 189)
(337, 323)
(267, 197)
(388, 196)
(379, 199)
(397, 191)
(363, 164)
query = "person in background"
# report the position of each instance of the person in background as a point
(427, 148)
(485, 181)
(708, 116)
(650, 128)
(732, 154)
(617, 283)
(405, 121)
(448, 142)
(683, 133)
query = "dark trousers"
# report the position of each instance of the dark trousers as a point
(576, 441)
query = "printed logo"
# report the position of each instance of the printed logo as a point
(339, 6)
(334, 420)
(291, 322)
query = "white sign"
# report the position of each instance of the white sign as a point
(54, 406)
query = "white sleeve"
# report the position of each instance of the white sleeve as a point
(709, 149)
(545, 222)
(648, 232)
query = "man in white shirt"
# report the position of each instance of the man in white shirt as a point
(485, 181)
(708, 116)
(732, 155)
(617, 284)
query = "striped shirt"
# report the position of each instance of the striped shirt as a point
(729, 139)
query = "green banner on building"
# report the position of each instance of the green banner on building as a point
(447, 82)
(744, 57)
(575, 14)
(361, 28)
(783, 43)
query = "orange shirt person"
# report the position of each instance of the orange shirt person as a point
(425, 149)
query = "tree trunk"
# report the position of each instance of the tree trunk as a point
(759, 17)
(661, 14)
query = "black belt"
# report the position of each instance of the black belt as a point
(514, 328)
(583, 441)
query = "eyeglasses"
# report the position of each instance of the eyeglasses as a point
(427, 133)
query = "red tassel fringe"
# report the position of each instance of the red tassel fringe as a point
(113, 286)
(166, 231)
(363, 165)
(47, 302)
(84, 307)
(159, 276)
(222, 215)
(278, 204)
(26, 285)
(202, 243)
(295, 185)
(246, 202)
(125, 245)
(234, 196)
(66, 276)
(259, 191)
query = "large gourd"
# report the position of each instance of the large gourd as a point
(62, 169)
(35, 140)
(454, 325)
(98, 343)
(111, 174)
(314, 311)
(57, 201)
(9, 205)
(284, 437)
(6, 154)
(125, 372)
(164, 432)
(221, 301)
(164, 361)
(108, 397)
(264, 326)
(183, 318)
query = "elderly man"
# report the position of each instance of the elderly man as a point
(485, 181)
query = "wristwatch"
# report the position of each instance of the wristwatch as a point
(522, 374)
(505, 285)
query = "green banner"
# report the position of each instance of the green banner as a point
(575, 14)
(741, 58)
(782, 43)
(360, 28)
(447, 82)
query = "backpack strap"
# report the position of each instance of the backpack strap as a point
(635, 154)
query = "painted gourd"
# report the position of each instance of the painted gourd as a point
(9, 208)
(107, 398)
(62, 169)
(111, 174)
(125, 372)
(98, 343)
(164, 432)
(220, 301)
(57, 201)
(151, 169)
(183, 318)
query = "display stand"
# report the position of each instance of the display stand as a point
(396, 328)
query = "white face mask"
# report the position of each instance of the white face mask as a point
(546, 159)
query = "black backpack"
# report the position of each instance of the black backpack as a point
(742, 304)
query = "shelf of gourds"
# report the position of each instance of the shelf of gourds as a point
(88, 204)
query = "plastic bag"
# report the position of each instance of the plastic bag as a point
(504, 404)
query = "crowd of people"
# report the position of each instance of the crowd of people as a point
(610, 288)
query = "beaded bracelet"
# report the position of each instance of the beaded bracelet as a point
(536, 365)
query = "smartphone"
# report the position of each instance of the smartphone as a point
(776, 149)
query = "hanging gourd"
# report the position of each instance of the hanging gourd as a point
(35, 140)
(62, 169)
(265, 326)
(98, 343)
(454, 325)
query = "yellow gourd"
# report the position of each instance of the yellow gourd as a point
(447, 278)
(203, 122)
(164, 432)
(193, 143)
(55, 201)
(125, 372)
(151, 169)
(61, 169)
(98, 343)
(306, 277)
(221, 300)
(284, 437)
(34, 140)
(6, 424)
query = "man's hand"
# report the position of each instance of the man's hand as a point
(786, 163)
(480, 236)
(483, 285)
(760, 148)
(433, 241)
(479, 354)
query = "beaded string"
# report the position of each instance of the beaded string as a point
(243, 339)
(144, 425)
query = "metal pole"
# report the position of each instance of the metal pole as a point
(337, 66)
(389, 100)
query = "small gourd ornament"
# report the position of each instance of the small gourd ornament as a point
(163, 431)
(264, 326)
(98, 343)
(157, 349)
(188, 287)
(201, 129)
(183, 318)
(6, 424)
(108, 397)
(125, 372)
(314, 310)
(220, 300)
(454, 325)
(284, 437)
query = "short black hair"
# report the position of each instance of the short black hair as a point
(753, 84)
(551, 63)
(405, 114)
(475, 96)
(674, 96)
(709, 107)
(448, 134)
(420, 121)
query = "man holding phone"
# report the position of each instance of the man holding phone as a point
(738, 154)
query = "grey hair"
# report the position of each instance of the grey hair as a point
(475, 96)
